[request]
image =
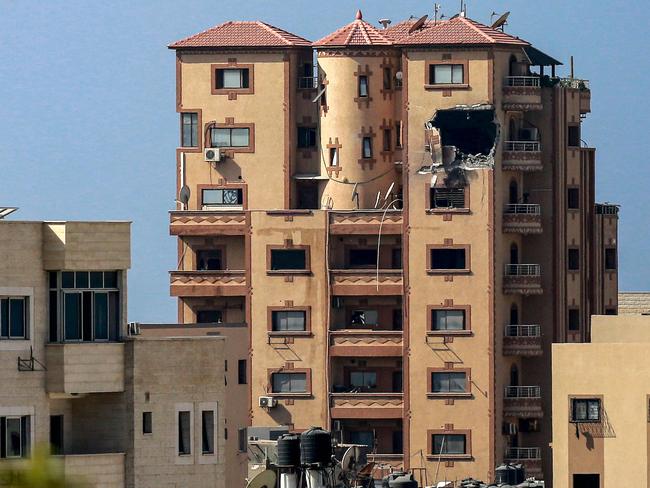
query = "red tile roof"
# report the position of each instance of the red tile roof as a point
(241, 34)
(459, 30)
(357, 33)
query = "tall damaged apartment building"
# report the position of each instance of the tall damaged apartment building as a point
(396, 223)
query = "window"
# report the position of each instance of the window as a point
(306, 137)
(366, 380)
(363, 438)
(449, 444)
(574, 319)
(14, 323)
(230, 137)
(444, 259)
(147, 422)
(232, 78)
(366, 151)
(388, 78)
(289, 382)
(585, 410)
(610, 311)
(288, 259)
(573, 198)
(591, 480)
(184, 433)
(289, 320)
(189, 129)
(363, 86)
(398, 133)
(209, 259)
(365, 317)
(573, 259)
(242, 438)
(222, 197)
(573, 135)
(209, 317)
(56, 434)
(610, 259)
(448, 382)
(447, 198)
(387, 140)
(207, 432)
(89, 304)
(363, 258)
(446, 74)
(241, 372)
(447, 320)
(15, 436)
(334, 156)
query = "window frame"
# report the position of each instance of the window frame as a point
(569, 198)
(147, 421)
(198, 146)
(449, 271)
(574, 401)
(305, 271)
(430, 84)
(242, 371)
(467, 455)
(228, 91)
(230, 131)
(429, 194)
(308, 383)
(568, 320)
(179, 430)
(361, 84)
(367, 151)
(467, 309)
(309, 129)
(25, 431)
(270, 321)
(605, 259)
(230, 124)
(573, 267)
(5, 301)
(242, 188)
(467, 393)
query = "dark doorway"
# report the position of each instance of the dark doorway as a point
(513, 193)
(586, 481)
(514, 315)
(514, 376)
(514, 254)
(308, 195)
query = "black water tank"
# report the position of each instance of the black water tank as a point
(507, 474)
(316, 447)
(289, 450)
(399, 480)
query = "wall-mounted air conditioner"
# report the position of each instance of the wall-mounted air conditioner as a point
(267, 401)
(212, 154)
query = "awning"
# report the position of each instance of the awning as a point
(538, 58)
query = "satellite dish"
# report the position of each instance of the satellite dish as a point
(184, 195)
(389, 191)
(265, 479)
(377, 199)
(501, 21)
(418, 24)
(434, 178)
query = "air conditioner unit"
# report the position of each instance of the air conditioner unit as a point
(212, 154)
(267, 402)
(528, 134)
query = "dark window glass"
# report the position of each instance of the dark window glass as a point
(363, 86)
(398, 134)
(288, 259)
(110, 279)
(387, 140)
(81, 279)
(447, 198)
(388, 78)
(363, 258)
(306, 137)
(398, 442)
(67, 279)
(444, 382)
(114, 315)
(610, 258)
(13, 318)
(72, 316)
(396, 258)
(449, 444)
(230, 137)
(207, 432)
(53, 277)
(446, 74)
(189, 129)
(289, 382)
(573, 198)
(56, 434)
(448, 259)
(101, 316)
(362, 437)
(242, 435)
(14, 447)
(574, 319)
(96, 279)
(585, 409)
(54, 316)
(147, 422)
(610, 311)
(397, 319)
(184, 433)
(209, 259)
(367, 148)
(4, 317)
(241, 372)
(334, 156)
(87, 315)
(573, 134)
(448, 319)
(209, 316)
(573, 259)
(289, 320)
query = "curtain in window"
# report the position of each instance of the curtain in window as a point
(232, 78)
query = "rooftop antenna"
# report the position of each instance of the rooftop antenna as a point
(501, 21)
(436, 9)
(463, 8)
(385, 22)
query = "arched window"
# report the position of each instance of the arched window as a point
(514, 254)
(513, 192)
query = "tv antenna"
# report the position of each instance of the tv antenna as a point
(436, 9)
(418, 24)
(4, 211)
(463, 9)
(501, 21)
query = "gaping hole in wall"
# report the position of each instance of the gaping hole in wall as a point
(471, 131)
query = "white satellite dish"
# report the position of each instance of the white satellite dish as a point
(265, 479)
(389, 191)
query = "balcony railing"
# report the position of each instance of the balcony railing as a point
(606, 209)
(523, 392)
(523, 270)
(523, 331)
(524, 208)
(574, 83)
(523, 146)
(523, 453)
(532, 81)
(307, 82)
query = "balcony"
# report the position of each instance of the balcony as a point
(522, 156)
(523, 218)
(522, 279)
(207, 223)
(529, 457)
(101, 470)
(347, 282)
(522, 340)
(523, 402)
(208, 283)
(373, 405)
(365, 343)
(86, 367)
(366, 222)
(522, 93)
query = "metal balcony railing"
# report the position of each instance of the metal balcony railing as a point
(307, 82)
(606, 209)
(524, 208)
(523, 146)
(523, 270)
(523, 331)
(522, 81)
(523, 392)
(523, 453)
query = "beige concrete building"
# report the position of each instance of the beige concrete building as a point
(634, 302)
(117, 411)
(601, 405)
(404, 220)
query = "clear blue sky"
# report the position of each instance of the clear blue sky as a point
(89, 127)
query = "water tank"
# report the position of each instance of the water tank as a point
(289, 450)
(399, 480)
(316, 447)
(506, 474)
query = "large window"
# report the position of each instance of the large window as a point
(362, 437)
(448, 382)
(363, 258)
(585, 410)
(189, 129)
(15, 436)
(449, 444)
(222, 198)
(573, 198)
(232, 78)
(289, 320)
(448, 259)
(84, 306)
(230, 136)
(14, 318)
(364, 380)
(447, 198)
(574, 319)
(289, 383)
(445, 319)
(288, 260)
(446, 74)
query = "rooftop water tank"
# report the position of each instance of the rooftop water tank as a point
(289, 450)
(316, 447)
